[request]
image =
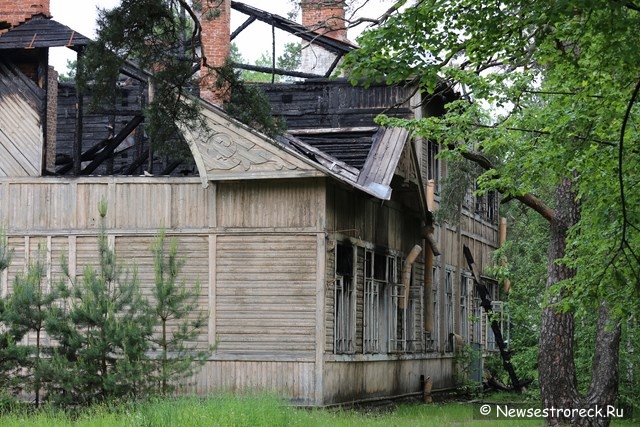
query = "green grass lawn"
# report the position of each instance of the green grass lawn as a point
(253, 411)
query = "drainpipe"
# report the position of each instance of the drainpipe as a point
(406, 272)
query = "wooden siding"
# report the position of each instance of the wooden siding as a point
(21, 127)
(370, 379)
(265, 294)
(271, 204)
(292, 380)
(64, 206)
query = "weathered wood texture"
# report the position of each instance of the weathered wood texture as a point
(21, 123)
(265, 294)
(348, 382)
(67, 206)
(335, 103)
(271, 204)
(292, 380)
(255, 258)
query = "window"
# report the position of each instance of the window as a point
(497, 314)
(448, 304)
(384, 311)
(432, 343)
(466, 282)
(343, 332)
(476, 318)
(371, 338)
(344, 301)
(433, 163)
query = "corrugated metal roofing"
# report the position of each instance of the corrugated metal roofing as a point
(42, 32)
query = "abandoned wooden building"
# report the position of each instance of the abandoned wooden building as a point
(314, 251)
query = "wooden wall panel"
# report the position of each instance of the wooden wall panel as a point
(291, 380)
(345, 382)
(265, 293)
(70, 206)
(270, 204)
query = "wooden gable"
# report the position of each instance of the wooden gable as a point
(21, 126)
(229, 150)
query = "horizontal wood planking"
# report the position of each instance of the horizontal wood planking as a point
(348, 382)
(290, 380)
(135, 204)
(269, 280)
(271, 203)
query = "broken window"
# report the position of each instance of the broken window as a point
(433, 163)
(448, 304)
(476, 317)
(432, 342)
(344, 301)
(384, 311)
(466, 283)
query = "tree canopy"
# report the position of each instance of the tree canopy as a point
(547, 92)
(547, 98)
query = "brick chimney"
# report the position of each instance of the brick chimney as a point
(216, 45)
(326, 17)
(15, 12)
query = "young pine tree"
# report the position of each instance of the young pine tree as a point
(29, 306)
(103, 344)
(178, 319)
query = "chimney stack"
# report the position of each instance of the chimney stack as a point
(216, 45)
(15, 12)
(326, 17)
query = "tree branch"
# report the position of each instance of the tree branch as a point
(527, 199)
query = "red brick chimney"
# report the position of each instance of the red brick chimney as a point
(16, 12)
(326, 17)
(216, 45)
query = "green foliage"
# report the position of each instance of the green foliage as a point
(149, 33)
(96, 338)
(104, 337)
(251, 411)
(248, 102)
(28, 309)
(180, 320)
(5, 252)
(545, 88)
(158, 37)
(70, 75)
(547, 94)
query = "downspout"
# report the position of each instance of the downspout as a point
(431, 250)
(406, 273)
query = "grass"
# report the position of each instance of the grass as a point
(240, 411)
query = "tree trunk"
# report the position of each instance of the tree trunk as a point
(556, 368)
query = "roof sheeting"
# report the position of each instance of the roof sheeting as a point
(42, 32)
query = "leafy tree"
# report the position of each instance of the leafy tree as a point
(104, 337)
(548, 89)
(176, 311)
